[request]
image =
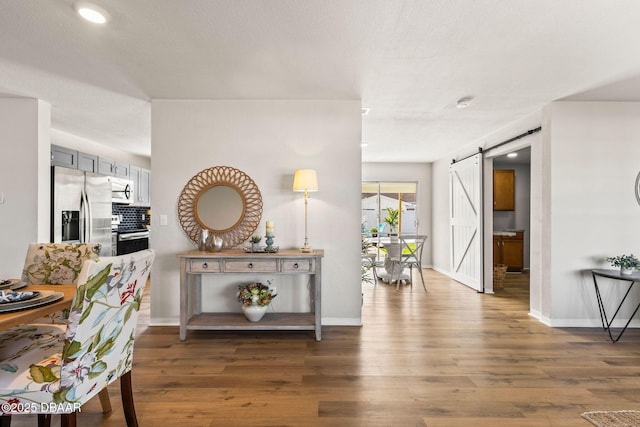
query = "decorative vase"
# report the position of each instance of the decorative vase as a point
(214, 244)
(624, 270)
(204, 236)
(254, 313)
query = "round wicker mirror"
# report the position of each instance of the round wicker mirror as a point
(223, 200)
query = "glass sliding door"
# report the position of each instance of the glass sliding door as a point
(388, 209)
(389, 200)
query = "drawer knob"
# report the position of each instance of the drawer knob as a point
(205, 265)
(250, 265)
(295, 265)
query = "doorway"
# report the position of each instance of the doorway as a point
(514, 223)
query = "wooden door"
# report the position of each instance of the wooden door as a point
(465, 186)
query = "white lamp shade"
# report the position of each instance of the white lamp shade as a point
(305, 179)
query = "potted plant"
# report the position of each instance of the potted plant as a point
(627, 263)
(255, 298)
(255, 239)
(367, 265)
(392, 219)
(374, 232)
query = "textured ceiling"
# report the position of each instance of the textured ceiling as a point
(409, 61)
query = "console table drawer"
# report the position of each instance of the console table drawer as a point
(204, 266)
(297, 265)
(248, 266)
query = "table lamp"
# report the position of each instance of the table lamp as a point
(305, 180)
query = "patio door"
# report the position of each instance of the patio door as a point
(465, 185)
(378, 197)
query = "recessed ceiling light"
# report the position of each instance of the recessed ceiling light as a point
(464, 102)
(91, 12)
(512, 155)
(365, 111)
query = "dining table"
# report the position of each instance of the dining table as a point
(19, 317)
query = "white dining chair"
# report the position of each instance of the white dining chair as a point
(406, 253)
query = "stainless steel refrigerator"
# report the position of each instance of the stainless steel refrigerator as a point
(80, 208)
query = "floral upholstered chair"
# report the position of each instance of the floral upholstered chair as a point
(45, 371)
(56, 264)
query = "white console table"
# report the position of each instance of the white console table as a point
(194, 264)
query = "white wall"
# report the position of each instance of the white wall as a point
(267, 140)
(409, 172)
(595, 147)
(441, 241)
(24, 179)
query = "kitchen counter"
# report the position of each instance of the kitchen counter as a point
(510, 233)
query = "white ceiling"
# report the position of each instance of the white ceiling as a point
(409, 61)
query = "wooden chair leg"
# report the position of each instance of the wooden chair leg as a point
(44, 420)
(105, 401)
(5, 420)
(126, 390)
(68, 420)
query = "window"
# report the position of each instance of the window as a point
(377, 196)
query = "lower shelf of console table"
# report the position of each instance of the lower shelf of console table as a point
(194, 264)
(237, 322)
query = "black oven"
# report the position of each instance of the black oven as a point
(132, 241)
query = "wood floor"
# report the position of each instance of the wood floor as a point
(447, 357)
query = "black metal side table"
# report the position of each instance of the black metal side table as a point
(632, 279)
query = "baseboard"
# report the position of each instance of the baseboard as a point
(341, 321)
(445, 272)
(164, 321)
(580, 323)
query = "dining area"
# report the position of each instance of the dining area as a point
(67, 331)
(389, 256)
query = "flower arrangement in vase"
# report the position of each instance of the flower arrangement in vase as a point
(255, 298)
(626, 263)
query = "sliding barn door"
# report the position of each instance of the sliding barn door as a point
(465, 185)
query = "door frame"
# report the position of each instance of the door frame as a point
(527, 142)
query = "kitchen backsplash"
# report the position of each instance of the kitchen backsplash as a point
(132, 217)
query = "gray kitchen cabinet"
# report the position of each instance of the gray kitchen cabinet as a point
(121, 170)
(87, 162)
(110, 167)
(64, 157)
(106, 166)
(141, 178)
